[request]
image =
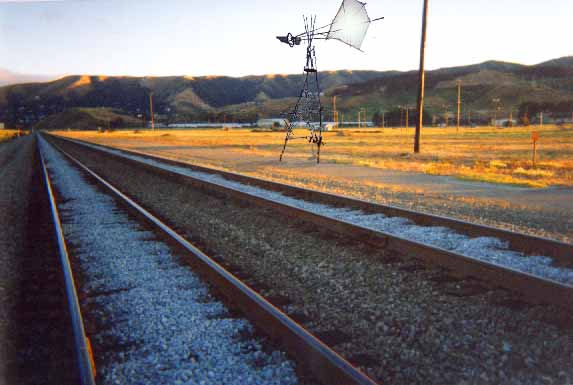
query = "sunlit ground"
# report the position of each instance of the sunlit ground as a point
(8, 134)
(487, 154)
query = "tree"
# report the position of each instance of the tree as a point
(117, 122)
(377, 119)
(525, 119)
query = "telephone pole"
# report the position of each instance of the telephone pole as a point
(421, 80)
(151, 110)
(334, 113)
(407, 109)
(459, 102)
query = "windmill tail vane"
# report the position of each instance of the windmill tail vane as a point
(349, 26)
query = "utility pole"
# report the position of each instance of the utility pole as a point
(421, 80)
(334, 113)
(407, 108)
(358, 118)
(383, 123)
(459, 103)
(541, 119)
(151, 110)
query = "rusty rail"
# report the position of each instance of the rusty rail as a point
(81, 342)
(533, 288)
(308, 351)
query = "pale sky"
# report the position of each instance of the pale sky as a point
(236, 38)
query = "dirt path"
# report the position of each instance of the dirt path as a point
(546, 199)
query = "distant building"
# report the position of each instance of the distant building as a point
(330, 126)
(271, 122)
(505, 122)
(1, 126)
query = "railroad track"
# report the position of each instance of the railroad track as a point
(315, 359)
(540, 270)
(36, 345)
(85, 363)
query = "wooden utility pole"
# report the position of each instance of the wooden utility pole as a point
(407, 109)
(541, 119)
(421, 80)
(383, 123)
(358, 118)
(334, 113)
(459, 102)
(534, 139)
(151, 110)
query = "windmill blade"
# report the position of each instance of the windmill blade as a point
(350, 23)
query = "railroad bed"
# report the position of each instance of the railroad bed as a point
(400, 320)
(152, 320)
(35, 344)
(503, 258)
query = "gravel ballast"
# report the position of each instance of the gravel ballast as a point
(402, 323)
(36, 346)
(160, 323)
(488, 249)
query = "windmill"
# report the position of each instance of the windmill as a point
(348, 26)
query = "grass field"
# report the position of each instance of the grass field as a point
(486, 154)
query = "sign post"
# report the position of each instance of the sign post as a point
(534, 138)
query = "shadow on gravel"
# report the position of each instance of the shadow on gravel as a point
(42, 349)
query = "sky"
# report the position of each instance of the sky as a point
(237, 37)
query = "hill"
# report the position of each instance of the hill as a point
(87, 119)
(180, 98)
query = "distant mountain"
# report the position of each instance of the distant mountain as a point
(545, 86)
(8, 77)
(88, 118)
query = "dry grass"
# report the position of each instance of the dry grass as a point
(8, 134)
(481, 154)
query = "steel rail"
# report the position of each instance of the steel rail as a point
(562, 253)
(534, 288)
(309, 352)
(83, 351)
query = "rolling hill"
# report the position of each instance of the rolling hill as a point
(177, 98)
